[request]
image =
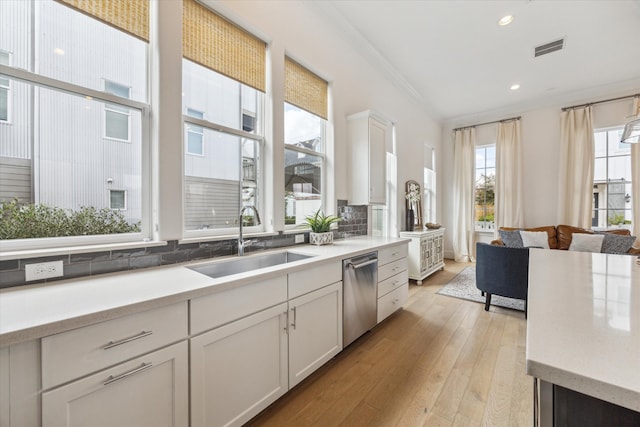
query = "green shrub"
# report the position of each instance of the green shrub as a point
(615, 219)
(28, 221)
(486, 218)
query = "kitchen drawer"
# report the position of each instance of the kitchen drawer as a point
(213, 310)
(391, 269)
(387, 285)
(303, 282)
(392, 301)
(392, 253)
(78, 352)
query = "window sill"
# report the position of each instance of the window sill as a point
(68, 250)
(226, 237)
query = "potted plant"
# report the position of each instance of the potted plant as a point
(320, 225)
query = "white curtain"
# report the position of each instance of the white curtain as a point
(509, 211)
(575, 196)
(635, 179)
(464, 142)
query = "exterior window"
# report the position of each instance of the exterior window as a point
(116, 118)
(64, 166)
(303, 163)
(222, 157)
(612, 188)
(195, 134)
(5, 90)
(485, 187)
(117, 200)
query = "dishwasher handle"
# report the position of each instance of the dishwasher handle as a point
(362, 264)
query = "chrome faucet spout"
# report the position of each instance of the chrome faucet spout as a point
(241, 242)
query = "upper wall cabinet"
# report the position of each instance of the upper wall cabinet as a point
(367, 140)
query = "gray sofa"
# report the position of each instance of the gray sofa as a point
(502, 271)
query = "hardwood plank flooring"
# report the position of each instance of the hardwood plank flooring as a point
(441, 361)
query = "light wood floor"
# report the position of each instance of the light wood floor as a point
(441, 361)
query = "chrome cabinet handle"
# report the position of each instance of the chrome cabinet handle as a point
(112, 344)
(134, 371)
(294, 319)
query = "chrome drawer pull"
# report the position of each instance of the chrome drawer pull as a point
(112, 344)
(140, 368)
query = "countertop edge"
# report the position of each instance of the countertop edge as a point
(595, 388)
(209, 286)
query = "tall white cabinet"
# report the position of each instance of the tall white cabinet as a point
(367, 136)
(426, 252)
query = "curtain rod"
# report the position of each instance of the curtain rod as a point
(488, 123)
(600, 102)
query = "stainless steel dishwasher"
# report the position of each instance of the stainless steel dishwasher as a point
(359, 296)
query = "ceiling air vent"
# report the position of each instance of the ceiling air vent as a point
(549, 47)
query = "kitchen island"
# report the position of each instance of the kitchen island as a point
(583, 338)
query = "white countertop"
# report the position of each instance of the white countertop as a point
(34, 311)
(583, 326)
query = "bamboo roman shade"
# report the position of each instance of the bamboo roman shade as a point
(131, 16)
(304, 89)
(212, 41)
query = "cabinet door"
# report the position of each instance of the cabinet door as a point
(377, 162)
(151, 390)
(315, 331)
(238, 369)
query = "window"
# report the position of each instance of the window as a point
(223, 81)
(4, 90)
(485, 187)
(305, 114)
(116, 118)
(64, 164)
(303, 163)
(195, 134)
(117, 200)
(612, 188)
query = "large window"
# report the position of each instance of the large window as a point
(305, 114)
(303, 163)
(223, 100)
(485, 188)
(612, 188)
(62, 107)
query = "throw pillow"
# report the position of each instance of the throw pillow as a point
(511, 239)
(617, 244)
(582, 242)
(538, 239)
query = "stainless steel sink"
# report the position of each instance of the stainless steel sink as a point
(249, 263)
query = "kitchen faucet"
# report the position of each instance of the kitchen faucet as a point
(241, 242)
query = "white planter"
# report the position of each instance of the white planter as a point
(321, 238)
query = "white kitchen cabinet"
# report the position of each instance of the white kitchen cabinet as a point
(426, 252)
(315, 331)
(239, 369)
(20, 384)
(393, 280)
(151, 390)
(367, 137)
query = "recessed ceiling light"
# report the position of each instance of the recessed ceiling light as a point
(515, 86)
(58, 51)
(505, 20)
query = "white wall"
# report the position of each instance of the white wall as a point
(540, 141)
(307, 34)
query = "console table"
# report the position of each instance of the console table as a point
(426, 252)
(583, 338)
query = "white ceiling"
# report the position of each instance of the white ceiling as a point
(453, 57)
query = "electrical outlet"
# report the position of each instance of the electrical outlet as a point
(43, 270)
(299, 238)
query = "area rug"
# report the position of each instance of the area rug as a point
(464, 286)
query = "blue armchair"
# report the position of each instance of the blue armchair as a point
(502, 271)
